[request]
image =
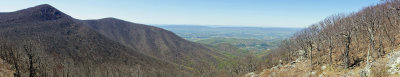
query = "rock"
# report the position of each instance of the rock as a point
(363, 73)
(313, 73)
(272, 74)
(394, 62)
(251, 74)
(323, 67)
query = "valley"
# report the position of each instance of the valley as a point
(255, 39)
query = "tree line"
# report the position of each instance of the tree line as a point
(345, 40)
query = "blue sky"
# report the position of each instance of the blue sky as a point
(260, 13)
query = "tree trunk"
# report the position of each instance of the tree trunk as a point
(372, 44)
(311, 48)
(330, 50)
(31, 68)
(381, 48)
(346, 51)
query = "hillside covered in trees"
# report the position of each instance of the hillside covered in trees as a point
(42, 41)
(361, 43)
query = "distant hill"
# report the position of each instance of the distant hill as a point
(183, 26)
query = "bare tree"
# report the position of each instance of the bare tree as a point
(329, 33)
(370, 23)
(29, 51)
(348, 28)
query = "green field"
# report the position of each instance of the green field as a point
(248, 38)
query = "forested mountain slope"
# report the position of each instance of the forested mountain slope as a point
(43, 41)
(166, 46)
(153, 41)
(357, 43)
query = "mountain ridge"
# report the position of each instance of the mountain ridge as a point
(151, 40)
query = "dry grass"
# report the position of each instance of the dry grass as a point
(302, 69)
(5, 69)
(379, 68)
(299, 70)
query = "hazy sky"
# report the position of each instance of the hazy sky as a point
(265, 13)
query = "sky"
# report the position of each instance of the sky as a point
(248, 13)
